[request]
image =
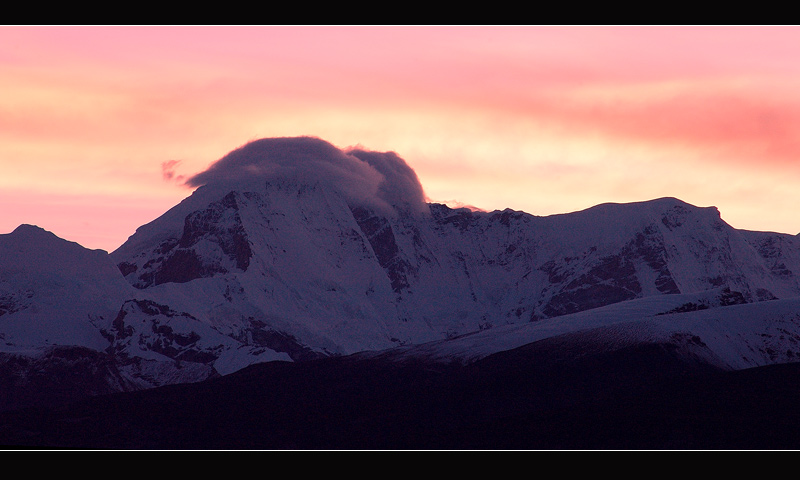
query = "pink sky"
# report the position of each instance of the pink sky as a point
(540, 119)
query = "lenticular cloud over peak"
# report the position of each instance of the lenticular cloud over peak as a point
(376, 179)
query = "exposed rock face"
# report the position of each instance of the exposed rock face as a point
(11, 302)
(212, 242)
(155, 331)
(380, 236)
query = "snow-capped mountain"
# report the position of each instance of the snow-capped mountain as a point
(291, 249)
(341, 273)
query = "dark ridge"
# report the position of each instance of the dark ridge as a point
(536, 397)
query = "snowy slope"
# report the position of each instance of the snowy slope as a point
(55, 292)
(726, 336)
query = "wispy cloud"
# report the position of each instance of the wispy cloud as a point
(168, 171)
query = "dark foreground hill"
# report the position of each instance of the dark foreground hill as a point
(642, 397)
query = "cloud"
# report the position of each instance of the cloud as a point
(379, 180)
(400, 186)
(168, 171)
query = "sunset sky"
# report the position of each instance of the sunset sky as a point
(99, 125)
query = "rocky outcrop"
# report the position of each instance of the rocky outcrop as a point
(212, 242)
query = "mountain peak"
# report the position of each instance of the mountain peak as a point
(656, 204)
(33, 248)
(27, 229)
(30, 237)
(609, 218)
